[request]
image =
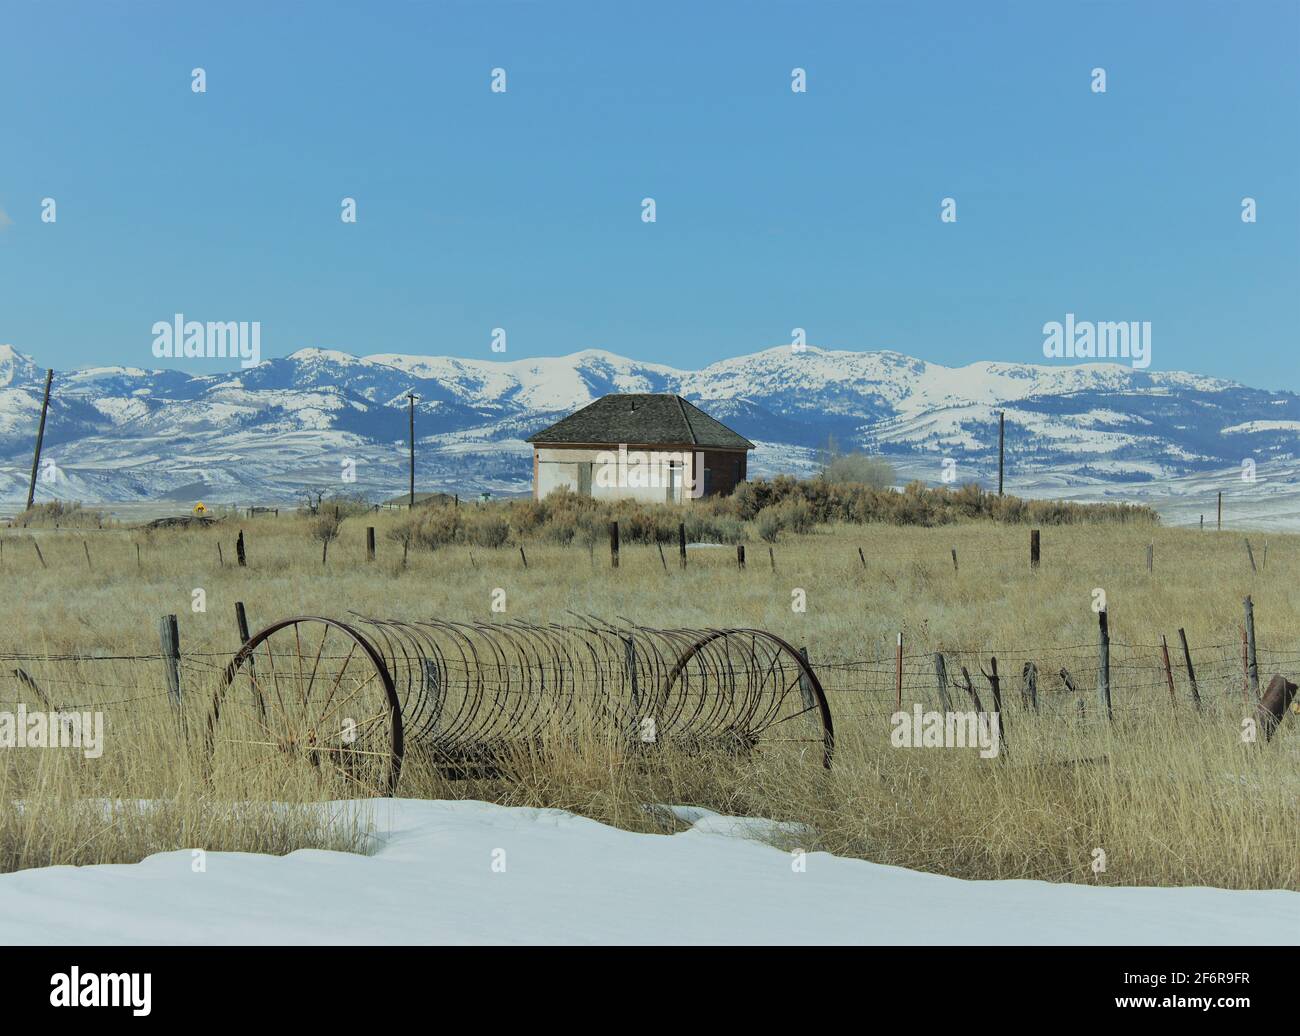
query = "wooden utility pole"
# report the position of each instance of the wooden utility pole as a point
(1220, 525)
(40, 438)
(412, 397)
(1002, 429)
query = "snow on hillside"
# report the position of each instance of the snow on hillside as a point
(475, 873)
(121, 433)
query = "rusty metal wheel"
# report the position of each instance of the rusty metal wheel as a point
(307, 699)
(771, 702)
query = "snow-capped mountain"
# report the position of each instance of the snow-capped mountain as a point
(262, 434)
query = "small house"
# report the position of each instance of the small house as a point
(655, 447)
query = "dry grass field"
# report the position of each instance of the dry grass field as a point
(1168, 795)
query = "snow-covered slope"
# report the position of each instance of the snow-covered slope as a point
(125, 433)
(472, 872)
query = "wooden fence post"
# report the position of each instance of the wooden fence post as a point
(662, 560)
(1034, 544)
(862, 557)
(1219, 528)
(954, 559)
(740, 555)
(996, 686)
(1251, 554)
(771, 557)
(1103, 663)
(681, 543)
(1252, 662)
(1245, 666)
(1169, 672)
(1151, 551)
(170, 637)
(613, 544)
(241, 621)
(1080, 704)
(239, 550)
(370, 543)
(38, 553)
(1191, 673)
(523, 556)
(86, 547)
(1029, 687)
(941, 675)
(805, 685)
(898, 672)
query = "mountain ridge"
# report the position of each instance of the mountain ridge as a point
(121, 432)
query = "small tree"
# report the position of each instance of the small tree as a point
(311, 499)
(325, 527)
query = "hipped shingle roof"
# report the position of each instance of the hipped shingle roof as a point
(642, 419)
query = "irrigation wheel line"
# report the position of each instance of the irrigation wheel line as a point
(312, 695)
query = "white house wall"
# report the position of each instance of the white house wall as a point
(558, 468)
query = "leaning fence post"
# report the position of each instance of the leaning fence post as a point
(613, 544)
(941, 675)
(1103, 663)
(241, 621)
(1252, 663)
(1191, 673)
(170, 637)
(1169, 672)
(996, 685)
(1251, 554)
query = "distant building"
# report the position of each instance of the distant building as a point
(640, 446)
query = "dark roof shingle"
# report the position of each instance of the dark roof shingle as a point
(642, 419)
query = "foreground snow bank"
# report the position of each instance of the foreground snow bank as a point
(472, 872)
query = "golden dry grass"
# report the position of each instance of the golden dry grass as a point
(1171, 798)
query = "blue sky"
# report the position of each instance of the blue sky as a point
(775, 210)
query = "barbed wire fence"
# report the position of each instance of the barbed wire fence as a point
(1076, 680)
